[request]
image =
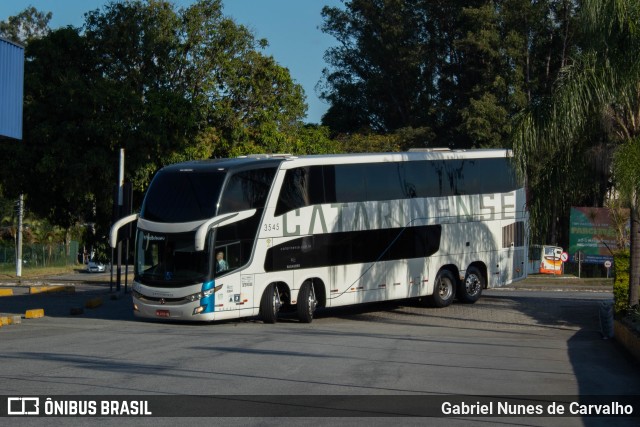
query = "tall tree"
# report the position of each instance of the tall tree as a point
(59, 148)
(167, 85)
(383, 75)
(600, 86)
(489, 87)
(25, 26)
(187, 84)
(461, 69)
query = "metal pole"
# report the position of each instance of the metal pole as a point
(120, 200)
(579, 267)
(126, 266)
(19, 240)
(111, 273)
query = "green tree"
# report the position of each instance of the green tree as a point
(7, 219)
(383, 74)
(600, 86)
(57, 148)
(27, 25)
(400, 140)
(166, 85)
(187, 84)
(461, 69)
(484, 94)
(140, 92)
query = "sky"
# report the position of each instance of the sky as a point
(290, 26)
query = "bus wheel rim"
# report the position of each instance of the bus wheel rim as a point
(472, 284)
(445, 289)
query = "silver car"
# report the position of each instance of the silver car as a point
(95, 267)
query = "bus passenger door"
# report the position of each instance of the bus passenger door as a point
(227, 258)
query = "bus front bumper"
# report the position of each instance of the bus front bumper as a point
(196, 306)
(194, 311)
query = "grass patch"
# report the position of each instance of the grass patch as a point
(9, 271)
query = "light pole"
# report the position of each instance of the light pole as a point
(19, 236)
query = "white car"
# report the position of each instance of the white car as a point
(95, 267)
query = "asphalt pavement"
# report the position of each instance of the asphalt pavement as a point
(532, 338)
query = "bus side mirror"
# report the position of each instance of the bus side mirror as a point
(113, 233)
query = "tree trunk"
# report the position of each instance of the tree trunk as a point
(554, 229)
(634, 264)
(565, 39)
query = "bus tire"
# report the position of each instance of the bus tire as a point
(444, 289)
(471, 289)
(270, 304)
(307, 302)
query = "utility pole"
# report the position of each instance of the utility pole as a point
(19, 239)
(120, 203)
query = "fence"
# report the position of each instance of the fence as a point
(40, 255)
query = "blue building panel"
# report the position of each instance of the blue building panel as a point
(11, 89)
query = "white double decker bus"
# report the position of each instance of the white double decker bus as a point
(229, 238)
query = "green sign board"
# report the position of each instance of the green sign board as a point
(592, 231)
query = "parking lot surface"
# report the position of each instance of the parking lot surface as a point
(512, 342)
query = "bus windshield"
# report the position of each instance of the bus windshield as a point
(170, 259)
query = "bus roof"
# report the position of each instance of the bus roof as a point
(223, 164)
(288, 161)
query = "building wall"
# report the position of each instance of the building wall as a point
(11, 89)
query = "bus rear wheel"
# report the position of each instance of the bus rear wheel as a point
(270, 304)
(444, 289)
(471, 289)
(307, 302)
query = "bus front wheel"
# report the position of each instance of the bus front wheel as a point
(444, 289)
(270, 304)
(307, 302)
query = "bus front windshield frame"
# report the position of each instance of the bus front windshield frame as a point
(170, 259)
(184, 196)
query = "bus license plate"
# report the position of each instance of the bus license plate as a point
(162, 313)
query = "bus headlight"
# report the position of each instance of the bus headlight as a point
(203, 294)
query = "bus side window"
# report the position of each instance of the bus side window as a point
(301, 187)
(247, 190)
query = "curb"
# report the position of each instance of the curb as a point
(34, 313)
(10, 319)
(51, 288)
(554, 289)
(93, 302)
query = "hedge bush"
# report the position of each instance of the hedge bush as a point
(621, 261)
